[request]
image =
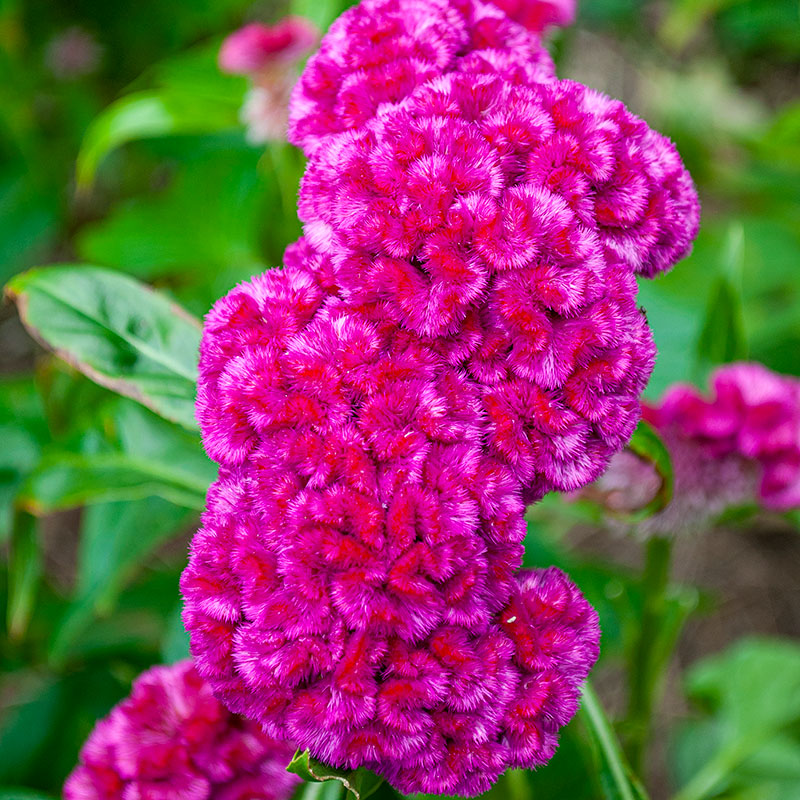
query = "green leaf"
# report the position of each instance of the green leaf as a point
(118, 332)
(131, 454)
(723, 338)
(116, 541)
(22, 432)
(23, 794)
(751, 694)
(360, 783)
(618, 781)
(150, 114)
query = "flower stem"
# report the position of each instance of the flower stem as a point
(646, 666)
(24, 571)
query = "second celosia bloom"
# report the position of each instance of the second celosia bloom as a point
(456, 335)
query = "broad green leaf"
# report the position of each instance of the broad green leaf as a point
(23, 794)
(617, 779)
(132, 454)
(360, 783)
(751, 694)
(150, 114)
(118, 332)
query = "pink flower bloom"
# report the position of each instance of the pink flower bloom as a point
(255, 46)
(268, 55)
(379, 51)
(172, 740)
(456, 335)
(752, 416)
(538, 15)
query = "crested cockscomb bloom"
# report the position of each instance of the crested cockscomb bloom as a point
(378, 52)
(739, 446)
(268, 55)
(456, 335)
(171, 739)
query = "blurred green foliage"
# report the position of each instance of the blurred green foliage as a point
(120, 147)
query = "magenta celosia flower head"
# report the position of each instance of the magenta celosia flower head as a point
(456, 335)
(379, 51)
(753, 415)
(256, 46)
(171, 739)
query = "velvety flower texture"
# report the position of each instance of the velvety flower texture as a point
(456, 335)
(378, 52)
(171, 739)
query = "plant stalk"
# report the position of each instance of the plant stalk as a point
(646, 669)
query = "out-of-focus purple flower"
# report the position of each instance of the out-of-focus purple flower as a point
(456, 335)
(539, 15)
(256, 46)
(73, 53)
(737, 447)
(753, 414)
(269, 57)
(171, 739)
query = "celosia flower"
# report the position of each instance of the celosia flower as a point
(538, 15)
(738, 447)
(456, 335)
(268, 56)
(378, 52)
(171, 739)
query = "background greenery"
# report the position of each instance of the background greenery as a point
(140, 167)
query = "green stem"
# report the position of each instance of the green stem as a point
(24, 571)
(646, 667)
(517, 785)
(606, 739)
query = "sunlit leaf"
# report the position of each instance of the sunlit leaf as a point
(751, 698)
(118, 332)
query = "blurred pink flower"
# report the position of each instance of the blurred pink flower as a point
(269, 57)
(753, 415)
(256, 46)
(73, 53)
(171, 739)
(539, 15)
(737, 447)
